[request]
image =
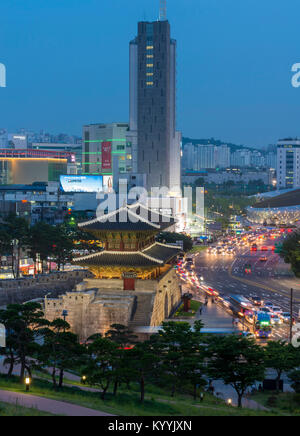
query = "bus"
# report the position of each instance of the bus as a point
(263, 326)
(240, 305)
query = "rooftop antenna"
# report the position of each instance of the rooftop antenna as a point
(162, 10)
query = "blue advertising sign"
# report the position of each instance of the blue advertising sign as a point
(81, 183)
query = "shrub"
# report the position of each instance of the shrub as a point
(272, 401)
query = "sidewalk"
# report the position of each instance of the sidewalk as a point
(215, 316)
(227, 392)
(46, 405)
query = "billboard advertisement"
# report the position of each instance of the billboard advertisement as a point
(108, 183)
(106, 155)
(81, 183)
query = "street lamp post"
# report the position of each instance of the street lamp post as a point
(15, 260)
(291, 318)
(27, 383)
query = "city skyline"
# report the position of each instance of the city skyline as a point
(243, 104)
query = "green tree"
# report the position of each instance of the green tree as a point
(294, 377)
(125, 339)
(100, 363)
(238, 361)
(172, 238)
(290, 252)
(40, 243)
(121, 335)
(18, 229)
(280, 357)
(181, 354)
(60, 350)
(5, 243)
(62, 247)
(23, 323)
(143, 363)
(7, 318)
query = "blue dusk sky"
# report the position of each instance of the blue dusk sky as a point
(67, 65)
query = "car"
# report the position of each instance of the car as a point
(277, 310)
(264, 248)
(258, 301)
(263, 259)
(266, 310)
(286, 317)
(276, 320)
(269, 305)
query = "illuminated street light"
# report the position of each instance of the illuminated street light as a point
(27, 383)
(83, 379)
(229, 402)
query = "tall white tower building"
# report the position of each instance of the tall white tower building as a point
(288, 163)
(153, 104)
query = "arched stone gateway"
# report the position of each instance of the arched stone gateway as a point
(134, 276)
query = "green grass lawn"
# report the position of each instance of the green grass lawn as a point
(195, 306)
(197, 249)
(283, 403)
(157, 403)
(15, 410)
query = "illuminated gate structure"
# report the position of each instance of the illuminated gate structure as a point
(134, 281)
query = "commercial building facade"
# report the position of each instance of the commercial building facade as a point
(283, 209)
(36, 202)
(288, 164)
(106, 151)
(27, 167)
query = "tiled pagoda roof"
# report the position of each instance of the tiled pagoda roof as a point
(153, 256)
(129, 218)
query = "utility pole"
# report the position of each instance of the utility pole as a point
(291, 320)
(163, 10)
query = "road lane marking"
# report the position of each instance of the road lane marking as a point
(258, 285)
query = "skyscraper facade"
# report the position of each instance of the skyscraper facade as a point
(288, 163)
(153, 104)
(105, 147)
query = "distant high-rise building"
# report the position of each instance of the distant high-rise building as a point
(222, 156)
(197, 157)
(189, 157)
(153, 104)
(271, 160)
(241, 158)
(257, 159)
(288, 163)
(205, 157)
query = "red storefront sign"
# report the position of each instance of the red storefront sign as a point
(106, 155)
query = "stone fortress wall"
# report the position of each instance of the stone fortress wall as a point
(26, 289)
(97, 304)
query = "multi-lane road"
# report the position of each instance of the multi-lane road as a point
(227, 275)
